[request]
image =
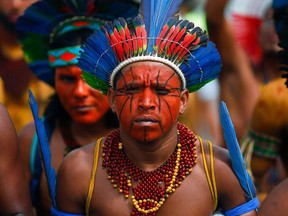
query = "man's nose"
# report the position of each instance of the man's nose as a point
(147, 100)
(81, 89)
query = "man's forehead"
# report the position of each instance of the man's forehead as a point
(151, 69)
(154, 74)
(147, 64)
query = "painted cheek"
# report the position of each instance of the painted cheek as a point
(63, 96)
(169, 113)
(101, 106)
(125, 107)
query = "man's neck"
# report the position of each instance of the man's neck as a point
(149, 156)
(88, 133)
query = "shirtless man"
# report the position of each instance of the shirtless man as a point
(151, 164)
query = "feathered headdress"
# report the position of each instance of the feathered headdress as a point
(156, 34)
(45, 20)
(246, 19)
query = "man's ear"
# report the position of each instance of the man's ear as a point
(184, 97)
(111, 99)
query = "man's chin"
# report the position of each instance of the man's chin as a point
(147, 138)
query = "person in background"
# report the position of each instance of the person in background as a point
(201, 115)
(276, 202)
(51, 33)
(264, 144)
(14, 192)
(243, 69)
(152, 164)
(15, 75)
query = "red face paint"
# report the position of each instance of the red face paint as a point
(84, 104)
(147, 99)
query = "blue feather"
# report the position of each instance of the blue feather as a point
(98, 58)
(238, 162)
(156, 13)
(44, 148)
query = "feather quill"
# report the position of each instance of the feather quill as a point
(233, 147)
(156, 13)
(44, 148)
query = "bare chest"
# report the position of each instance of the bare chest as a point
(192, 197)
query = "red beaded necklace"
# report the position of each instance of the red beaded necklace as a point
(149, 189)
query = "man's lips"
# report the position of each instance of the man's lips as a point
(146, 120)
(83, 108)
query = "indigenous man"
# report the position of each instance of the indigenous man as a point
(152, 164)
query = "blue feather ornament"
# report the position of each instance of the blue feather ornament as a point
(44, 148)
(238, 163)
(98, 55)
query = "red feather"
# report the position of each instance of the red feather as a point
(129, 40)
(177, 39)
(163, 41)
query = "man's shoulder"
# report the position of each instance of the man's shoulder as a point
(79, 160)
(220, 154)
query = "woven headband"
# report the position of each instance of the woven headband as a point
(64, 56)
(147, 58)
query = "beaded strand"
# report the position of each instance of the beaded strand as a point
(149, 190)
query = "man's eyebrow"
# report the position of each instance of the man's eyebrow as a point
(173, 74)
(123, 77)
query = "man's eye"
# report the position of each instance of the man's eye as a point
(132, 90)
(67, 78)
(162, 91)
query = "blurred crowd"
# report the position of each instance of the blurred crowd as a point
(250, 83)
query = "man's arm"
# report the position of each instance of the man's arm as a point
(14, 192)
(231, 196)
(238, 85)
(276, 203)
(73, 179)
